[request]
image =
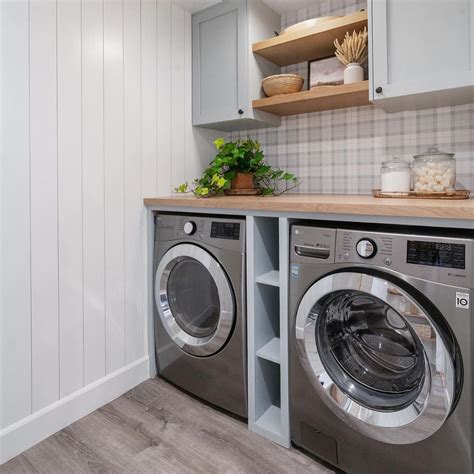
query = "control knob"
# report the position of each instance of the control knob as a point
(189, 228)
(366, 248)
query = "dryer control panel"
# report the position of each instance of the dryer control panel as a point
(221, 232)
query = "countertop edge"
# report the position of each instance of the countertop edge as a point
(328, 204)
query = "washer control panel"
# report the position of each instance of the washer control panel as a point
(447, 260)
(441, 259)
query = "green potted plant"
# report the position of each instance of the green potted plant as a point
(240, 168)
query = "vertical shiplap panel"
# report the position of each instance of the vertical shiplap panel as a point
(163, 99)
(93, 189)
(71, 350)
(114, 185)
(151, 69)
(44, 204)
(15, 310)
(149, 95)
(132, 156)
(190, 154)
(178, 67)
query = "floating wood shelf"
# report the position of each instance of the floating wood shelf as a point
(307, 44)
(315, 100)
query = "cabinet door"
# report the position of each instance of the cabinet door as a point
(420, 46)
(220, 62)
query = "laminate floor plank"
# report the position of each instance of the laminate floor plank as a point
(65, 452)
(217, 437)
(156, 428)
(18, 465)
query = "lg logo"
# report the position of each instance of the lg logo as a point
(462, 300)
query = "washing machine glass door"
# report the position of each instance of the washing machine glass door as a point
(375, 356)
(194, 300)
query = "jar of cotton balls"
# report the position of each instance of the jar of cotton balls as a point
(434, 172)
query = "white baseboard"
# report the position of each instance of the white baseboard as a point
(24, 434)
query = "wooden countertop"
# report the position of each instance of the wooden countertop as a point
(327, 204)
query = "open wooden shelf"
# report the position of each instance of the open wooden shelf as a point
(315, 100)
(309, 43)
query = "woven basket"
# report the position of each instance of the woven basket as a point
(282, 84)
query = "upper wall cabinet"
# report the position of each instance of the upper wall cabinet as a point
(226, 74)
(422, 53)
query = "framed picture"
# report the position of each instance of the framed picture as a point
(325, 72)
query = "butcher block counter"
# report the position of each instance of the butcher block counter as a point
(437, 212)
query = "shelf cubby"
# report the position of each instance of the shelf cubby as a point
(267, 398)
(266, 245)
(267, 275)
(271, 278)
(270, 420)
(270, 351)
(267, 324)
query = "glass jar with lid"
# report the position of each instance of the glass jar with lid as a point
(395, 176)
(434, 172)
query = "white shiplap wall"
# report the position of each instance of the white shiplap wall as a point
(96, 115)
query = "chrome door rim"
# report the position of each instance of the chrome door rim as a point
(412, 424)
(198, 346)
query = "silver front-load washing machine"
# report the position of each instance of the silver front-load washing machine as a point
(200, 324)
(381, 342)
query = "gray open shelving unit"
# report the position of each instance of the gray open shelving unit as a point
(267, 322)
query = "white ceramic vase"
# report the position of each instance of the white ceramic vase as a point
(354, 72)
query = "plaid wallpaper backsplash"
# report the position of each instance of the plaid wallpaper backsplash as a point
(340, 151)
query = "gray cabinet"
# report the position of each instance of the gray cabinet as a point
(226, 74)
(422, 53)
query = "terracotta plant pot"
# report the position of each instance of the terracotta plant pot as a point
(243, 181)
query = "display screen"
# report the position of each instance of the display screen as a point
(225, 230)
(436, 254)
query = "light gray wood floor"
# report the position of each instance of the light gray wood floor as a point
(157, 428)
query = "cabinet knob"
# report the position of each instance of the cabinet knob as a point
(378, 90)
(240, 111)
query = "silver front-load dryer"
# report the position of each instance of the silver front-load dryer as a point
(380, 349)
(200, 325)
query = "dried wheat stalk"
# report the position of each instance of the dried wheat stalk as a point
(354, 47)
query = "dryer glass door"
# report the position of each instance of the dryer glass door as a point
(194, 299)
(375, 355)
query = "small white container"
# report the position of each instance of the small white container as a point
(395, 176)
(353, 73)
